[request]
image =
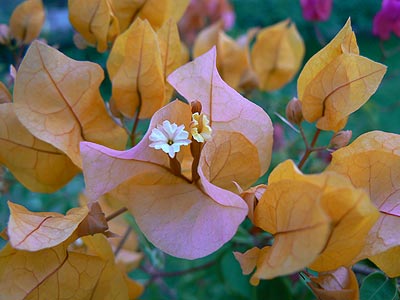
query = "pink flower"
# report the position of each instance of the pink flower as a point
(387, 19)
(316, 10)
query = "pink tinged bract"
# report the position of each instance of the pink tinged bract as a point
(226, 108)
(190, 216)
(183, 218)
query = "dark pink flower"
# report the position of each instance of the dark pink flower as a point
(316, 10)
(387, 19)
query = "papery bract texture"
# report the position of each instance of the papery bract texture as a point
(191, 212)
(226, 108)
(172, 54)
(178, 216)
(61, 273)
(36, 231)
(233, 59)
(58, 100)
(95, 21)
(136, 71)
(101, 21)
(277, 55)
(206, 39)
(387, 261)
(319, 221)
(159, 11)
(340, 284)
(36, 164)
(235, 62)
(128, 257)
(5, 96)
(337, 81)
(27, 20)
(372, 162)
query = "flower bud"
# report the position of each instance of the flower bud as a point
(293, 111)
(341, 139)
(196, 106)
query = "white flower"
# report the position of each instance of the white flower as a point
(200, 129)
(169, 138)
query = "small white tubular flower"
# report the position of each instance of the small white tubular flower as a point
(200, 129)
(169, 138)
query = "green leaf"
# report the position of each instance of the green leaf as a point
(275, 289)
(236, 283)
(377, 286)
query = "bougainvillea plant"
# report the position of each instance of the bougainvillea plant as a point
(199, 172)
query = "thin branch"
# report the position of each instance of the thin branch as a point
(309, 148)
(123, 240)
(284, 120)
(303, 135)
(116, 213)
(315, 138)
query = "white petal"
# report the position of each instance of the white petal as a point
(165, 148)
(157, 145)
(172, 151)
(182, 134)
(169, 129)
(157, 135)
(182, 142)
(176, 147)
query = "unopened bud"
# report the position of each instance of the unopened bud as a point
(341, 139)
(293, 111)
(196, 106)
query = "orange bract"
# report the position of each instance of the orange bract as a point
(136, 71)
(36, 231)
(36, 164)
(372, 163)
(337, 81)
(191, 212)
(80, 273)
(101, 21)
(277, 55)
(172, 53)
(27, 20)
(5, 96)
(319, 221)
(58, 100)
(340, 284)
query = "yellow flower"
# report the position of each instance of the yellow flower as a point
(200, 129)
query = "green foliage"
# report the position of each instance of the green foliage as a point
(377, 286)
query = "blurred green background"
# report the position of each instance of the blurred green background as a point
(222, 278)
